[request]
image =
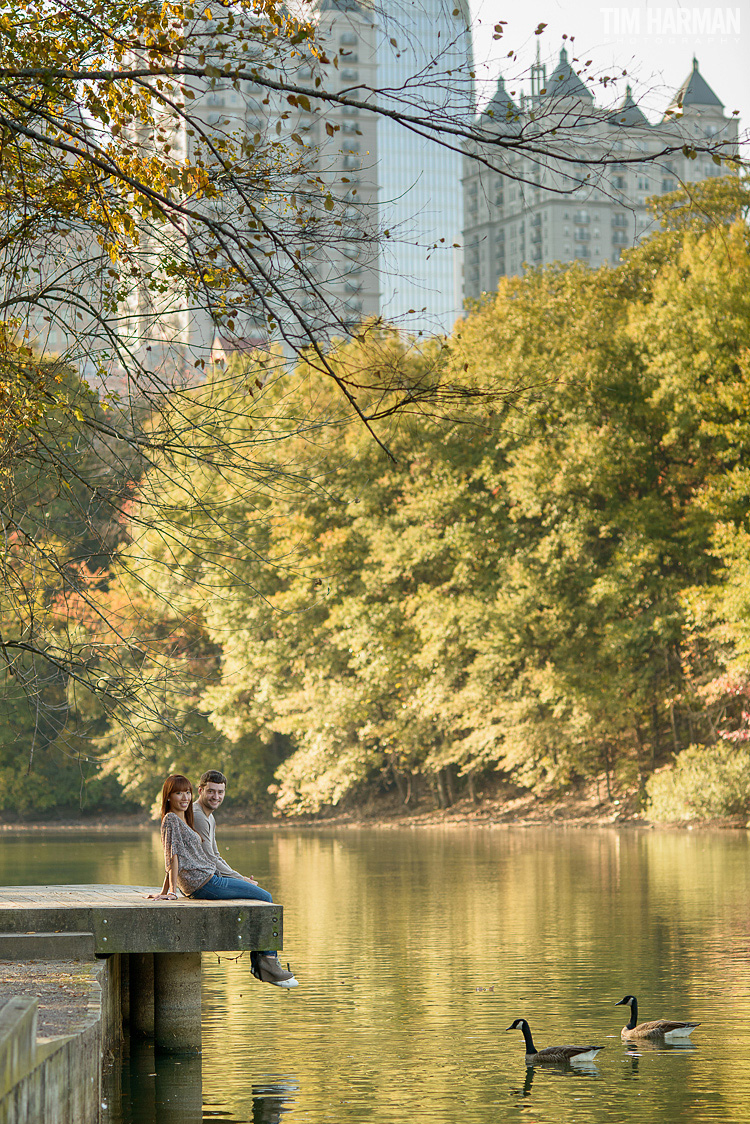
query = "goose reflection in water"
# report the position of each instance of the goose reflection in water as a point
(634, 1050)
(560, 1070)
(270, 1102)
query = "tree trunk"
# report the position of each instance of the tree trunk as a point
(398, 781)
(655, 744)
(472, 787)
(675, 741)
(449, 788)
(639, 758)
(440, 787)
(607, 770)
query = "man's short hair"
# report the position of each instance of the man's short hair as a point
(213, 776)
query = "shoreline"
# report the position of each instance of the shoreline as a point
(520, 812)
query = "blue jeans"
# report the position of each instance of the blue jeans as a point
(221, 887)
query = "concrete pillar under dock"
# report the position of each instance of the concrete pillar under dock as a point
(141, 992)
(177, 1001)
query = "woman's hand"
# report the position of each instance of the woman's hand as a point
(170, 897)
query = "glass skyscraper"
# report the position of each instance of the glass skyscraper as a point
(424, 68)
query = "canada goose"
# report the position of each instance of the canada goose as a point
(573, 1054)
(659, 1028)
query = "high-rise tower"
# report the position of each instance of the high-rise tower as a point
(424, 68)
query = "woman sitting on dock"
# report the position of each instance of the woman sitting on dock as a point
(189, 868)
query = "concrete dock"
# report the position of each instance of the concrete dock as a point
(158, 945)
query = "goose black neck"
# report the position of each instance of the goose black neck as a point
(633, 1015)
(526, 1031)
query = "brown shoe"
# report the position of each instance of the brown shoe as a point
(270, 971)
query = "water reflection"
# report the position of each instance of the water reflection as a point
(270, 1102)
(560, 1069)
(655, 1046)
(415, 949)
(148, 1087)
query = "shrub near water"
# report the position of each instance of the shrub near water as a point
(705, 782)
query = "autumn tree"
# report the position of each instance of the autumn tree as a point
(125, 215)
(517, 591)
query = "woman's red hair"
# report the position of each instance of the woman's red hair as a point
(175, 782)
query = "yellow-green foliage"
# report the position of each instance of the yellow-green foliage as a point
(545, 574)
(705, 782)
(508, 589)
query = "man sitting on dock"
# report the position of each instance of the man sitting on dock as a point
(212, 789)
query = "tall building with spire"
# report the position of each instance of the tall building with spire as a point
(534, 211)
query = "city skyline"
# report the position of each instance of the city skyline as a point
(418, 54)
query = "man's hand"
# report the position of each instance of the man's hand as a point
(249, 878)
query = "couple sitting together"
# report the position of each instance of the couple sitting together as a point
(193, 862)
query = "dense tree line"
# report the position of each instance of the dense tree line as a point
(548, 582)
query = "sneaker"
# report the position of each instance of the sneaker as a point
(270, 971)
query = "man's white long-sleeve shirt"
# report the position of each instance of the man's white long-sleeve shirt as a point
(205, 825)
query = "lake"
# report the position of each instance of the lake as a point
(415, 949)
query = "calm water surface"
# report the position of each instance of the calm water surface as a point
(416, 949)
